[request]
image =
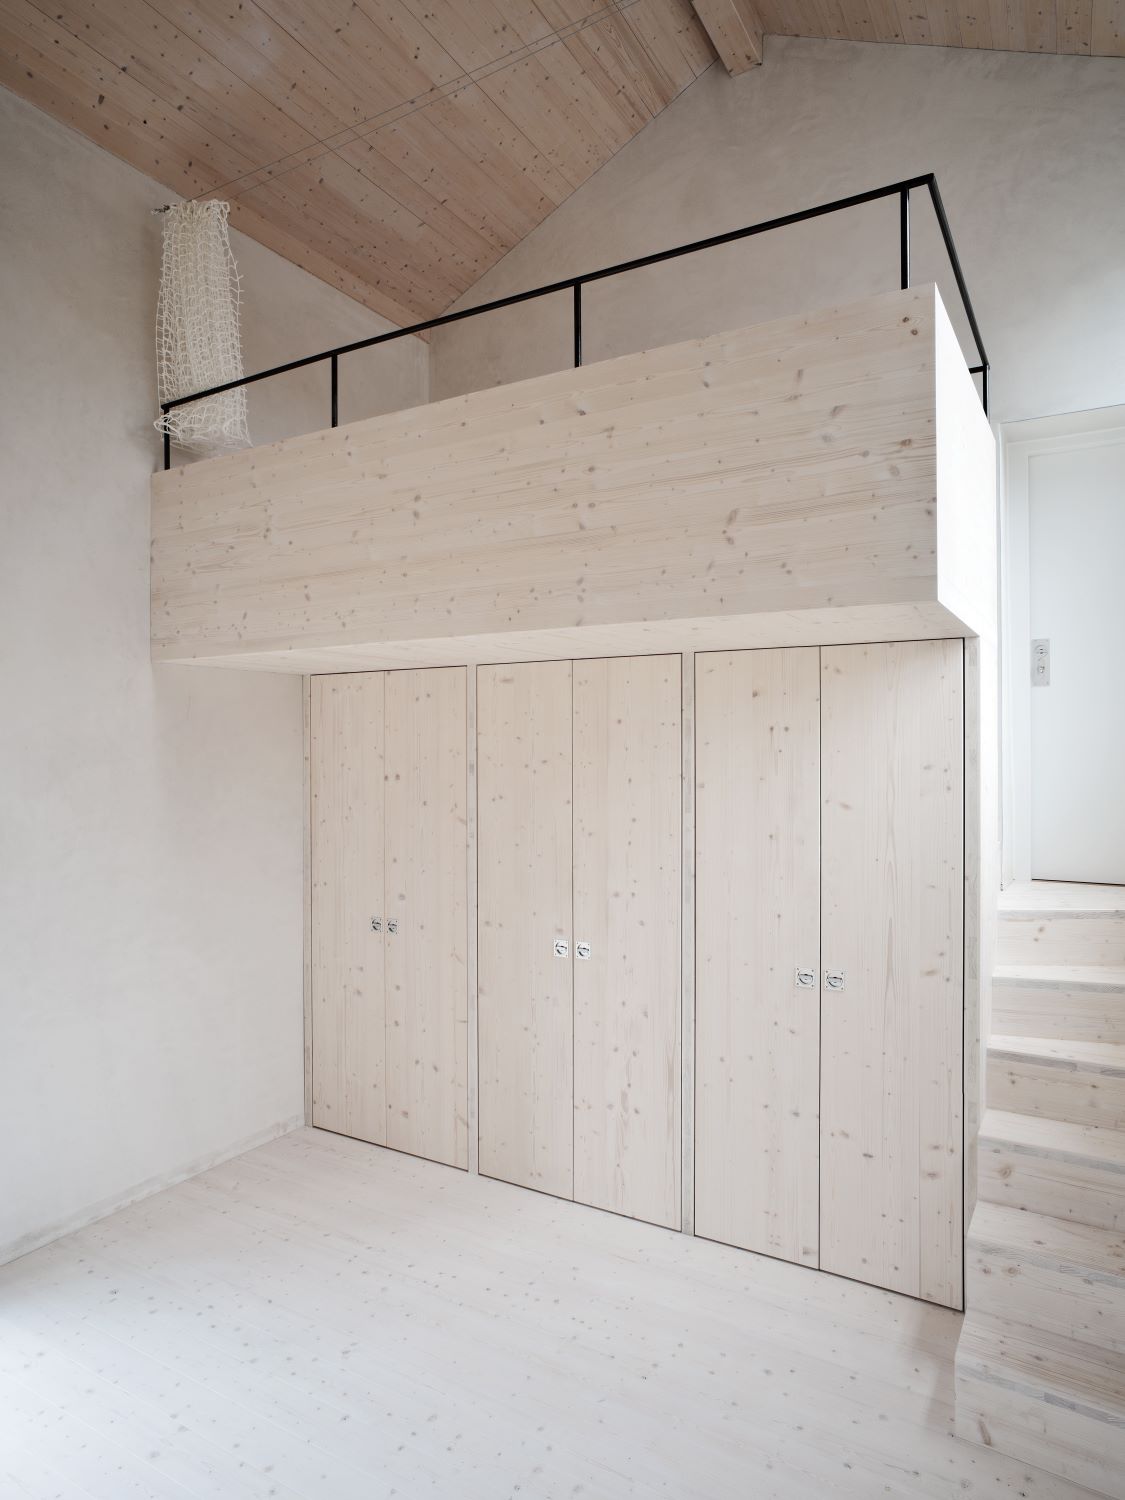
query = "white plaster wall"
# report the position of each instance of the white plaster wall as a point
(1030, 155)
(150, 819)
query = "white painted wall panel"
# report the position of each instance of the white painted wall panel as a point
(150, 819)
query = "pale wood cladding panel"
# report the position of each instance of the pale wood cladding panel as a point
(211, 98)
(1082, 26)
(787, 467)
(524, 892)
(893, 922)
(282, 107)
(348, 1009)
(735, 28)
(426, 1005)
(627, 905)
(757, 1082)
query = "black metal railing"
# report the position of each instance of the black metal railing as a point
(574, 284)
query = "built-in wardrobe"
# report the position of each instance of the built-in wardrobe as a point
(579, 832)
(829, 822)
(388, 909)
(823, 829)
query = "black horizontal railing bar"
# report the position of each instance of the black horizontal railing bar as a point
(575, 283)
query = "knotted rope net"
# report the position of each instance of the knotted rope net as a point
(198, 342)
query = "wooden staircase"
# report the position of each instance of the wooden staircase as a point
(1041, 1361)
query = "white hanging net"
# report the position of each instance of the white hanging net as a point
(198, 343)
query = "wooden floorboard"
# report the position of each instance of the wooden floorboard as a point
(325, 1318)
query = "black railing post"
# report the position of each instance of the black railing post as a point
(984, 389)
(577, 324)
(335, 365)
(904, 238)
(167, 447)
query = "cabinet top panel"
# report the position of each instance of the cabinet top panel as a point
(769, 485)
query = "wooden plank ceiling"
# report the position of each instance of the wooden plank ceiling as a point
(1090, 28)
(395, 148)
(398, 148)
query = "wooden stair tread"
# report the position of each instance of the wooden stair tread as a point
(1046, 1051)
(1092, 1145)
(1062, 976)
(1047, 898)
(1047, 1366)
(1094, 1254)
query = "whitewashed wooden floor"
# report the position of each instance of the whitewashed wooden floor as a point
(324, 1319)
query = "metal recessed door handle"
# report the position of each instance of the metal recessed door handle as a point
(806, 979)
(582, 949)
(562, 948)
(392, 925)
(833, 979)
(376, 924)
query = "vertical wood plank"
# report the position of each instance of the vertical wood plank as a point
(306, 893)
(893, 921)
(687, 955)
(525, 866)
(427, 901)
(347, 891)
(627, 906)
(758, 920)
(471, 975)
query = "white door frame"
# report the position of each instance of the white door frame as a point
(1020, 442)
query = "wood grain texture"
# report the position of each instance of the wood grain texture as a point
(419, 1330)
(1086, 27)
(426, 897)
(524, 891)
(735, 29)
(473, 1097)
(796, 627)
(687, 950)
(1054, 1167)
(1049, 1275)
(758, 920)
(394, 151)
(627, 895)
(774, 472)
(348, 1004)
(1051, 1400)
(1082, 1082)
(893, 922)
(306, 896)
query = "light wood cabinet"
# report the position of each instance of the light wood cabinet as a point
(389, 909)
(757, 1082)
(525, 907)
(346, 887)
(628, 830)
(893, 927)
(579, 834)
(830, 809)
(829, 832)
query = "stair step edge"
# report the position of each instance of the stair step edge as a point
(1081, 1250)
(1093, 978)
(1095, 1146)
(1105, 1058)
(1049, 1368)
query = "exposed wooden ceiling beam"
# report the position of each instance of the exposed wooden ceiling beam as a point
(735, 29)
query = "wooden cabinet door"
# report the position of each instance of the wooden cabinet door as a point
(525, 907)
(893, 864)
(628, 831)
(425, 932)
(757, 1083)
(348, 1041)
